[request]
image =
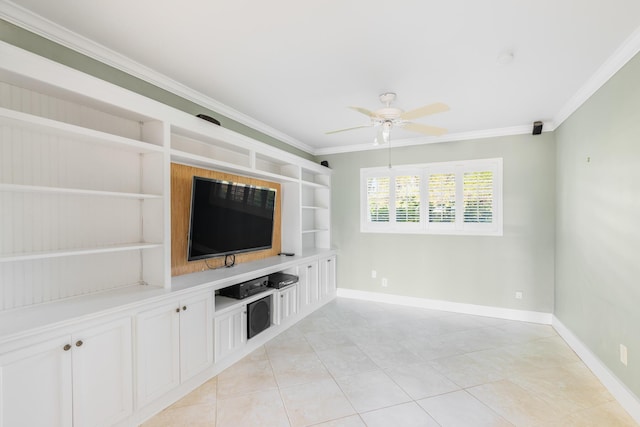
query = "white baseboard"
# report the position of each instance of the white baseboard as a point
(456, 307)
(627, 399)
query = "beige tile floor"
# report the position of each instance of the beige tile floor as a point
(357, 363)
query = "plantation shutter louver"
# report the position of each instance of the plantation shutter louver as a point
(442, 197)
(378, 199)
(407, 198)
(478, 197)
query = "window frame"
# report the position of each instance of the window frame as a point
(458, 227)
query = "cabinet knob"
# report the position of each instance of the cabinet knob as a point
(178, 310)
(79, 343)
(281, 296)
(184, 308)
(308, 266)
(67, 347)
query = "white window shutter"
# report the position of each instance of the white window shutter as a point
(378, 197)
(478, 197)
(407, 197)
(442, 198)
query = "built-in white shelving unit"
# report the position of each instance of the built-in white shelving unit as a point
(82, 195)
(85, 183)
(85, 248)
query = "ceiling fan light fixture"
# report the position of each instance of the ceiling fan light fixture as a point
(386, 131)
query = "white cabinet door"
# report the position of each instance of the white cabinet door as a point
(286, 304)
(230, 331)
(196, 346)
(327, 277)
(35, 385)
(174, 342)
(102, 374)
(157, 352)
(308, 285)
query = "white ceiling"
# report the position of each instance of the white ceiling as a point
(291, 67)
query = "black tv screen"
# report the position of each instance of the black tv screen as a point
(228, 218)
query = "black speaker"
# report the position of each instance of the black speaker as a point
(209, 119)
(258, 316)
(537, 128)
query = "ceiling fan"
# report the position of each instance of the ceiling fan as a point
(387, 117)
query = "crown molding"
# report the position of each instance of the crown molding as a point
(50, 30)
(460, 136)
(623, 54)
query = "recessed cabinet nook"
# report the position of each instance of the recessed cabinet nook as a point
(96, 326)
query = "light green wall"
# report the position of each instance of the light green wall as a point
(466, 269)
(598, 223)
(29, 41)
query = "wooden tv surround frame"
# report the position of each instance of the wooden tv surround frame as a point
(102, 320)
(181, 182)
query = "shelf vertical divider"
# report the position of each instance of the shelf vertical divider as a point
(155, 174)
(291, 212)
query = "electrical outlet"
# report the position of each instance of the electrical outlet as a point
(374, 274)
(518, 294)
(623, 354)
(385, 283)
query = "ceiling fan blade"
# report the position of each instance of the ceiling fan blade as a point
(438, 107)
(364, 111)
(428, 130)
(343, 130)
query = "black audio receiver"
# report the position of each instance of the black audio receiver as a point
(280, 280)
(246, 289)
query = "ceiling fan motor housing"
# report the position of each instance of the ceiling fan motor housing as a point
(389, 113)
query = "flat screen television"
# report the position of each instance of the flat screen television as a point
(229, 218)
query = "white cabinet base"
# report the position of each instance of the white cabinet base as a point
(174, 342)
(83, 379)
(37, 377)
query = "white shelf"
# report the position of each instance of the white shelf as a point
(315, 230)
(76, 252)
(314, 207)
(74, 191)
(53, 127)
(314, 184)
(223, 303)
(206, 162)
